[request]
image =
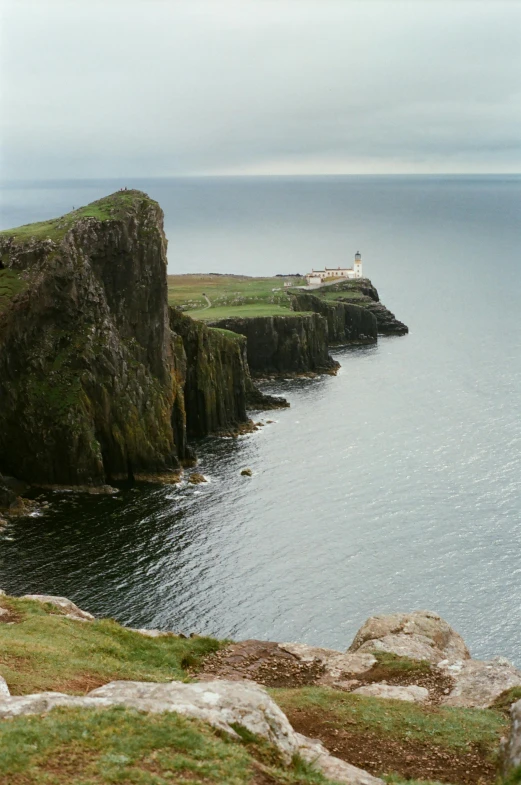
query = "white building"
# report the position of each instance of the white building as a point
(329, 274)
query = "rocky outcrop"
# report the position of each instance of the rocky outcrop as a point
(222, 704)
(420, 635)
(511, 757)
(411, 693)
(346, 323)
(478, 684)
(98, 382)
(86, 370)
(362, 293)
(215, 377)
(68, 608)
(284, 345)
(7, 497)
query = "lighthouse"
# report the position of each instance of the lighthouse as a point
(357, 267)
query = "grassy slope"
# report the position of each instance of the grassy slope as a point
(42, 650)
(449, 727)
(46, 651)
(109, 207)
(230, 295)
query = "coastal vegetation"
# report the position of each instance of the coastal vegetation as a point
(43, 649)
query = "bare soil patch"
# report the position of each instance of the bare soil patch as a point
(381, 754)
(260, 661)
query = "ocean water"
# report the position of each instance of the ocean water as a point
(395, 485)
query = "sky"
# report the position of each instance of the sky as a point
(149, 88)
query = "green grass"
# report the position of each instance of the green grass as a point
(243, 311)
(46, 651)
(448, 727)
(506, 699)
(88, 747)
(11, 284)
(401, 665)
(110, 207)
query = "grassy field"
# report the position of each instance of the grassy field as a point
(229, 295)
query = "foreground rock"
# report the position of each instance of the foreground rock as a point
(479, 683)
(512, 746)
(4, 689)
(420, 635)
(412, 693)
(71, 611)
(222, 704)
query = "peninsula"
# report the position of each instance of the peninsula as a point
(109, 368)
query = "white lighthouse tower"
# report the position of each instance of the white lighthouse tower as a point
(357, 267)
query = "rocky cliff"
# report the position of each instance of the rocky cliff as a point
(216, 379)
(94, 384)
(293, 344)
(363, 294)
(86, 371)
(346, 323)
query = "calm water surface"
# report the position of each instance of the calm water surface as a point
(394, 486)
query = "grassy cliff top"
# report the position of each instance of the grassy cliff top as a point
(112, 207)
(211, 297)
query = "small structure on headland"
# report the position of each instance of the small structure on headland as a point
(328, 274)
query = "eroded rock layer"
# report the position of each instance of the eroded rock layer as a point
(293, 344)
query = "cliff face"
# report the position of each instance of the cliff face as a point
(87, 376)
(217, 383)
(366, 297)
(284, 344)
(346, 323)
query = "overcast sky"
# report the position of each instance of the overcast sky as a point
(164, 87)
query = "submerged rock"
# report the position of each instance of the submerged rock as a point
(196, 478)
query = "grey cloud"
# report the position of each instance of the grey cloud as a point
(157, 88)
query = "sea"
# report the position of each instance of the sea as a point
(394, 486)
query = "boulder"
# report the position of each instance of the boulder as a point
(411, 693)
(420, 635)
(196, 478)
(4, 689)
(219, 703)
(478, 683)
(246, 472)
(71, 610)
(511, 752)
